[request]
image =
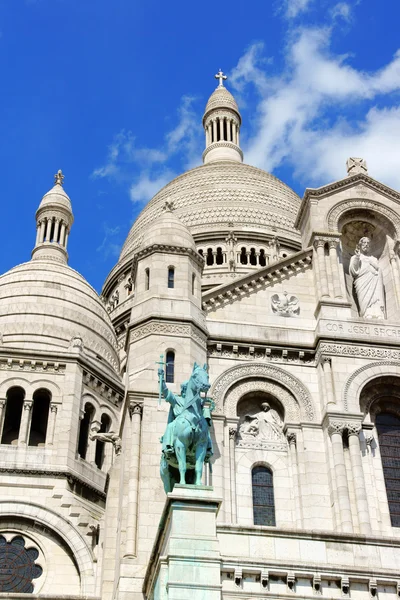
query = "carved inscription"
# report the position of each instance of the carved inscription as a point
(369, 330)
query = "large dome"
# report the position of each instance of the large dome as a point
(211, 197)
(44, 304)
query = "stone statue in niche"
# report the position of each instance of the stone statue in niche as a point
(285, 305)
(261, 428)
(367, 281)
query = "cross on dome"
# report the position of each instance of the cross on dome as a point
(221, 78)
(59, 177)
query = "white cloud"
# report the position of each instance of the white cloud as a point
(295, 7)
(341, 10)
(302, 115)
(146, 170)
(109, 246)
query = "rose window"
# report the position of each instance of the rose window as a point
(17, 566)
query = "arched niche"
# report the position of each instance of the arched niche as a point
(381, 394)
(237, 381)
(380, 225)
(261, 416)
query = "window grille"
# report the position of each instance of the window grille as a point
(388, 427)
(170, 367)
(263, 496)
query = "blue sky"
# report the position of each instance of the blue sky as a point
(112, 92)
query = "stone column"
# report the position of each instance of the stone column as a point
(62, 234)
(66, 239)
(25, 423)
(221, 129)
(328, 379)
(237, 135)
(319, 244)
(229, 129)
(3, 403)
(42, 230)
(335, 430)
(91, 451)
(358, 479)
(56, 230)
(291, 438)
(135, 412)
(333, 257)
(232, 468)
(48, 229)
(214, 125)
(51, 424)
(38, 229)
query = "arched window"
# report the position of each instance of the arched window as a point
(147, 279)
(170, 367)
(171, 277)
(12, 418)
(219, 259)
(100, 446)
(84, 430)
(263, 496)
(40, 416)
(210, 257)
(193, 284)
(243, 256)
(388, 427)
(253, 257)
(261, 258)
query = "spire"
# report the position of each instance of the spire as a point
(53, 223)
(221, 122)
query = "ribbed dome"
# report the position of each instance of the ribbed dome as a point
(44, 304)
(209, 198)
(168, 230)
(221, 98)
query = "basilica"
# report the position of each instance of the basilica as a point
(293, 307)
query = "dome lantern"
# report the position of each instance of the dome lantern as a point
(221, 122)
(53, 223)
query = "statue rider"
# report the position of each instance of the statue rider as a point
(178, 403)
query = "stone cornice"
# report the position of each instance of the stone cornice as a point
(343, 184)
(264, 277)
(166, 249)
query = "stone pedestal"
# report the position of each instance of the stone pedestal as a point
(185, 561)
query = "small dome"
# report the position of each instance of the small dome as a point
(168, 230)
(45, 304)
(221, 98)
(56, 196)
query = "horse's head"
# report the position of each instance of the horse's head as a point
(199, 378)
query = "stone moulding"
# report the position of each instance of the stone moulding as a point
(264, 277)
(357, 203)
(363, 375)
(165, 328)
(237, 374)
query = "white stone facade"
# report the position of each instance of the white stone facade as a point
(226, 266)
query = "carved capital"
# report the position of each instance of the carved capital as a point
(326, 360)
(135, 408)
(232, 433)
(28, 404)
(2, 403)
(319, 243)
(353, 428)
(333, 243)
(53, 408)
(336, 427)
(291, 438)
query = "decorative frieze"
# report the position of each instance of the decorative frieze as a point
(357, 351)
(102, 388)
(165, 328)
(267, 353)
(32, 365)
